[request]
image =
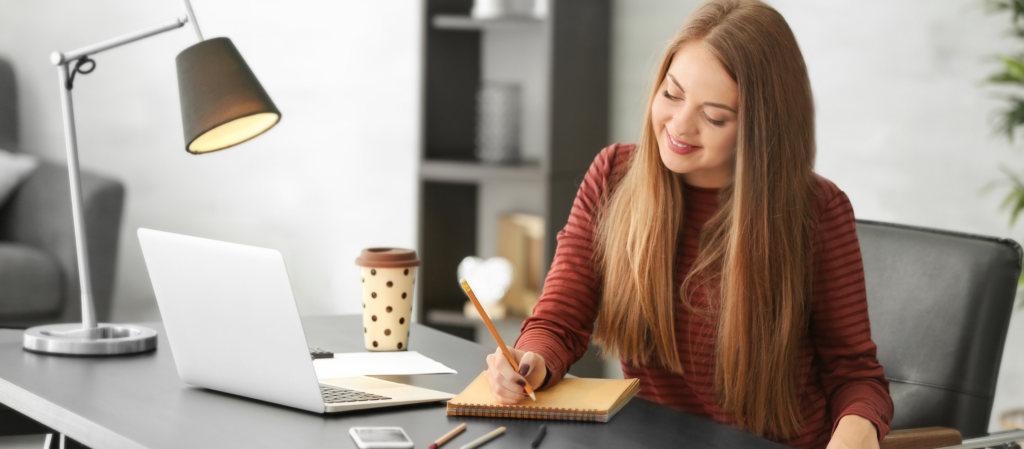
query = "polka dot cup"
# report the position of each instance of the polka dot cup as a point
(387, 297)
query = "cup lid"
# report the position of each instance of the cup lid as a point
(388, 258)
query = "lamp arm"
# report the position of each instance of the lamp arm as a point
(192, 18)
(58, 58)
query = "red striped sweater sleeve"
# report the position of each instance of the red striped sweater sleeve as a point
(563, 318)
(853, 380)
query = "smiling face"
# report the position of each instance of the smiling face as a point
(694, 118)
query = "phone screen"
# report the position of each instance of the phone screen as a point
(384, 435)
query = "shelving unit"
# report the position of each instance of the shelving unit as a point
(464, 22)
(475, 172)
(561, 65)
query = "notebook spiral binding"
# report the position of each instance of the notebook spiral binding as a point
(522, 411)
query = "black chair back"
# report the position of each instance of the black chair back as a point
(940, 305)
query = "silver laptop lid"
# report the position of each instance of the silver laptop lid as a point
(231, 319)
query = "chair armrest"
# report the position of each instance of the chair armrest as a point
(38, 214)
(922, 438)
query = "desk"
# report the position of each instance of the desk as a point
(139, 402)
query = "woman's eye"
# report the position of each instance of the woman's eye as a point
(670, 97)
(718, 123)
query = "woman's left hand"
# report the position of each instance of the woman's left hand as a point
(854, 432)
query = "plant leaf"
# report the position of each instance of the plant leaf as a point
(1012, 117)
(1013, 67)
(1005, 78)
(1009, 199)
(1011, 196)
(1015, 198)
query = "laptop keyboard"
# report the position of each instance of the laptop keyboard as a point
(334, 395)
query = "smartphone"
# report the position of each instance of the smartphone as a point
(380, 437)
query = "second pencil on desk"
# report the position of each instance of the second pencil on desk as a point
(480, 441)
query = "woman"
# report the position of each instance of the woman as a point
(710, 258)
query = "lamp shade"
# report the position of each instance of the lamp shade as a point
(222, 102)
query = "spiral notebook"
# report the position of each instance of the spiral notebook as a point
(573, 399)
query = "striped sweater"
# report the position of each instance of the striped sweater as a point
(837, 367)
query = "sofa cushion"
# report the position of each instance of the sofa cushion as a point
(14, 168)
(31, 282)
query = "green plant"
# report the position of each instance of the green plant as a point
(1011, 118)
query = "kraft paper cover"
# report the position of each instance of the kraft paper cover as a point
(600, 398)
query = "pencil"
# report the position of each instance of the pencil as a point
(494, 333)
(540, 436)
(480, 441)
(448, 436)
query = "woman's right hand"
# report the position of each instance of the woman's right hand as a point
(508, 386)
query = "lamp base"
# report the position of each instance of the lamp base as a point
(73, 339)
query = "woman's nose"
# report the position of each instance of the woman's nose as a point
(684, 122)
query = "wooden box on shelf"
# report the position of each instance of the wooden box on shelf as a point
(521, 241)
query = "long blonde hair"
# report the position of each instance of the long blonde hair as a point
(757, 245)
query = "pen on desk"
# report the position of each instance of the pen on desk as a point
(448, 436)
(540, 436)
(494, 333)
(480, 441)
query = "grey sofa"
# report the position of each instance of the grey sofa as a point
(39, 281)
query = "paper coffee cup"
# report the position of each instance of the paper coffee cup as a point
(388, 280)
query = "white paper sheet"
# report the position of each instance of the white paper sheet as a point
(378, 363)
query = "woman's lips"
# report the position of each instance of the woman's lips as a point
(679, 146)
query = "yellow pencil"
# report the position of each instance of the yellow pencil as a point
(494, 333)
(480, 441)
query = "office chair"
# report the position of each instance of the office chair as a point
(940, 305)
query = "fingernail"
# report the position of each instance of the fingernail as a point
(523, 369)
(521, 382)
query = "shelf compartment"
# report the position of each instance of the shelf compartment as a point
(449, 230)
(476, 172)
(467, 23)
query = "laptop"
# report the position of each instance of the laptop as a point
(233, 326)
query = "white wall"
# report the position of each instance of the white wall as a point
(640, 30)
(904, 126)
(336, 175)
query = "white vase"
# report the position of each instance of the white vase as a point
(496, 9)
(489, 9)
(498, 124)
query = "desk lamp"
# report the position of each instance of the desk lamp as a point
(222, 105)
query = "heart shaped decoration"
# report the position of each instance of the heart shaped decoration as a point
(489, 278)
